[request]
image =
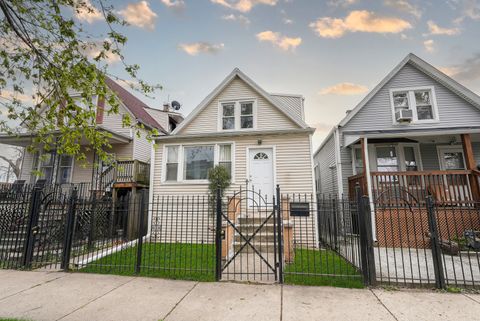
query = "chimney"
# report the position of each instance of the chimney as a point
(166, 106)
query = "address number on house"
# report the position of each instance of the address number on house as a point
(299, 209)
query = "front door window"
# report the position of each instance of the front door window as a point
(452, 159)
(387, 160)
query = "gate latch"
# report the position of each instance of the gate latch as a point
(35, 230)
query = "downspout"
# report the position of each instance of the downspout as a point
(314, 187)
(369, 187)
(150, 191)
(338, 161)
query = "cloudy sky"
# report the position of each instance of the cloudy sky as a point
(332, 52)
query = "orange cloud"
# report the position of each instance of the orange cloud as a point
(243, 5)
(85, 11)
(195, 48)
(344, 88)
(282, 42)
(429, 45)
(437, 30)
(358, 21)
(139, 15)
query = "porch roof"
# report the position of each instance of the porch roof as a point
(24, 139)
(352, 137)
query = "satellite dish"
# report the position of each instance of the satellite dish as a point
(176, 105)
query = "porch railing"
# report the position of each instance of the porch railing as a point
(451, 187)
(130, 171)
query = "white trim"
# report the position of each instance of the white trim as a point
(180, 180)
(274, 161)
(314, 187)
(236, 73)
(150, 192)
(237, 114)
(453, 148)
(338, 162)
(369, 187)
(412, 105)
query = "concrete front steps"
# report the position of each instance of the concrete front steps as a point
(264, 239)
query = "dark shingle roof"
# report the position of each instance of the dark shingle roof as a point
(135, 105)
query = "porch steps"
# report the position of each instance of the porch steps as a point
(264, 239)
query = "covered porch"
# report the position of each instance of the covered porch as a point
(400, 168)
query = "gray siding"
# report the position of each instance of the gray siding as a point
(327, 167)
(429, 155)
(453, 110)
(142, 148)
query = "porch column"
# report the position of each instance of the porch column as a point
(471, 165)
(368, 178)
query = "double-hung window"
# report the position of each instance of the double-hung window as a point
(246, 115)
(65, 164)
(237, 115)
(193, 162)
(421, 101)
(228, 112)
(225, 157)
(172, 163)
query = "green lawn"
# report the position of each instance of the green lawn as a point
(322, 267)
(166, 260)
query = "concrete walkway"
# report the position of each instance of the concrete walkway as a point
(62, 296)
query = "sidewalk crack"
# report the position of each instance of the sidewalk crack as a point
(180, 301)
(31, 287)
(281, 302)
(380, 301)
(95, 299)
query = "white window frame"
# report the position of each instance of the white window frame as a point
(412, 105)
(446, 148)
(399, 149)
(237, 103)
(55, 167)
(181, 161)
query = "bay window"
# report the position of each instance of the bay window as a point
(185, 163)
(421, 101)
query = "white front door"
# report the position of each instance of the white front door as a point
(261, 171)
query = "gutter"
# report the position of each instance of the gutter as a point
(307, 130)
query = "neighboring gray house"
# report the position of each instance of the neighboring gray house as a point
(416, 133)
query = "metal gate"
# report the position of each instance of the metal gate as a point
(33, 235)
(249, 232)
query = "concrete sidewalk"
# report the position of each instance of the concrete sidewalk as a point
(62, 296)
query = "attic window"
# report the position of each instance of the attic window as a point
(237, 115)
(420, 101)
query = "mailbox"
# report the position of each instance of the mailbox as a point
(299, 209)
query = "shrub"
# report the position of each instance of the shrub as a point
(218, 178)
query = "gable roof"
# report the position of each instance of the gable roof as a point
(134, 105)
(427, 69)
(238, 73)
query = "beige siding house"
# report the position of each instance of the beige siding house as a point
(132, 152)
(261, 138)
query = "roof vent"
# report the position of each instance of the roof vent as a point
(348, 111)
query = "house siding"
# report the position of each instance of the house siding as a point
(142, 147)
(268, 116)
(453, 110)
(325, 159)
(26, 172)
(293, 164)
(114, 122)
